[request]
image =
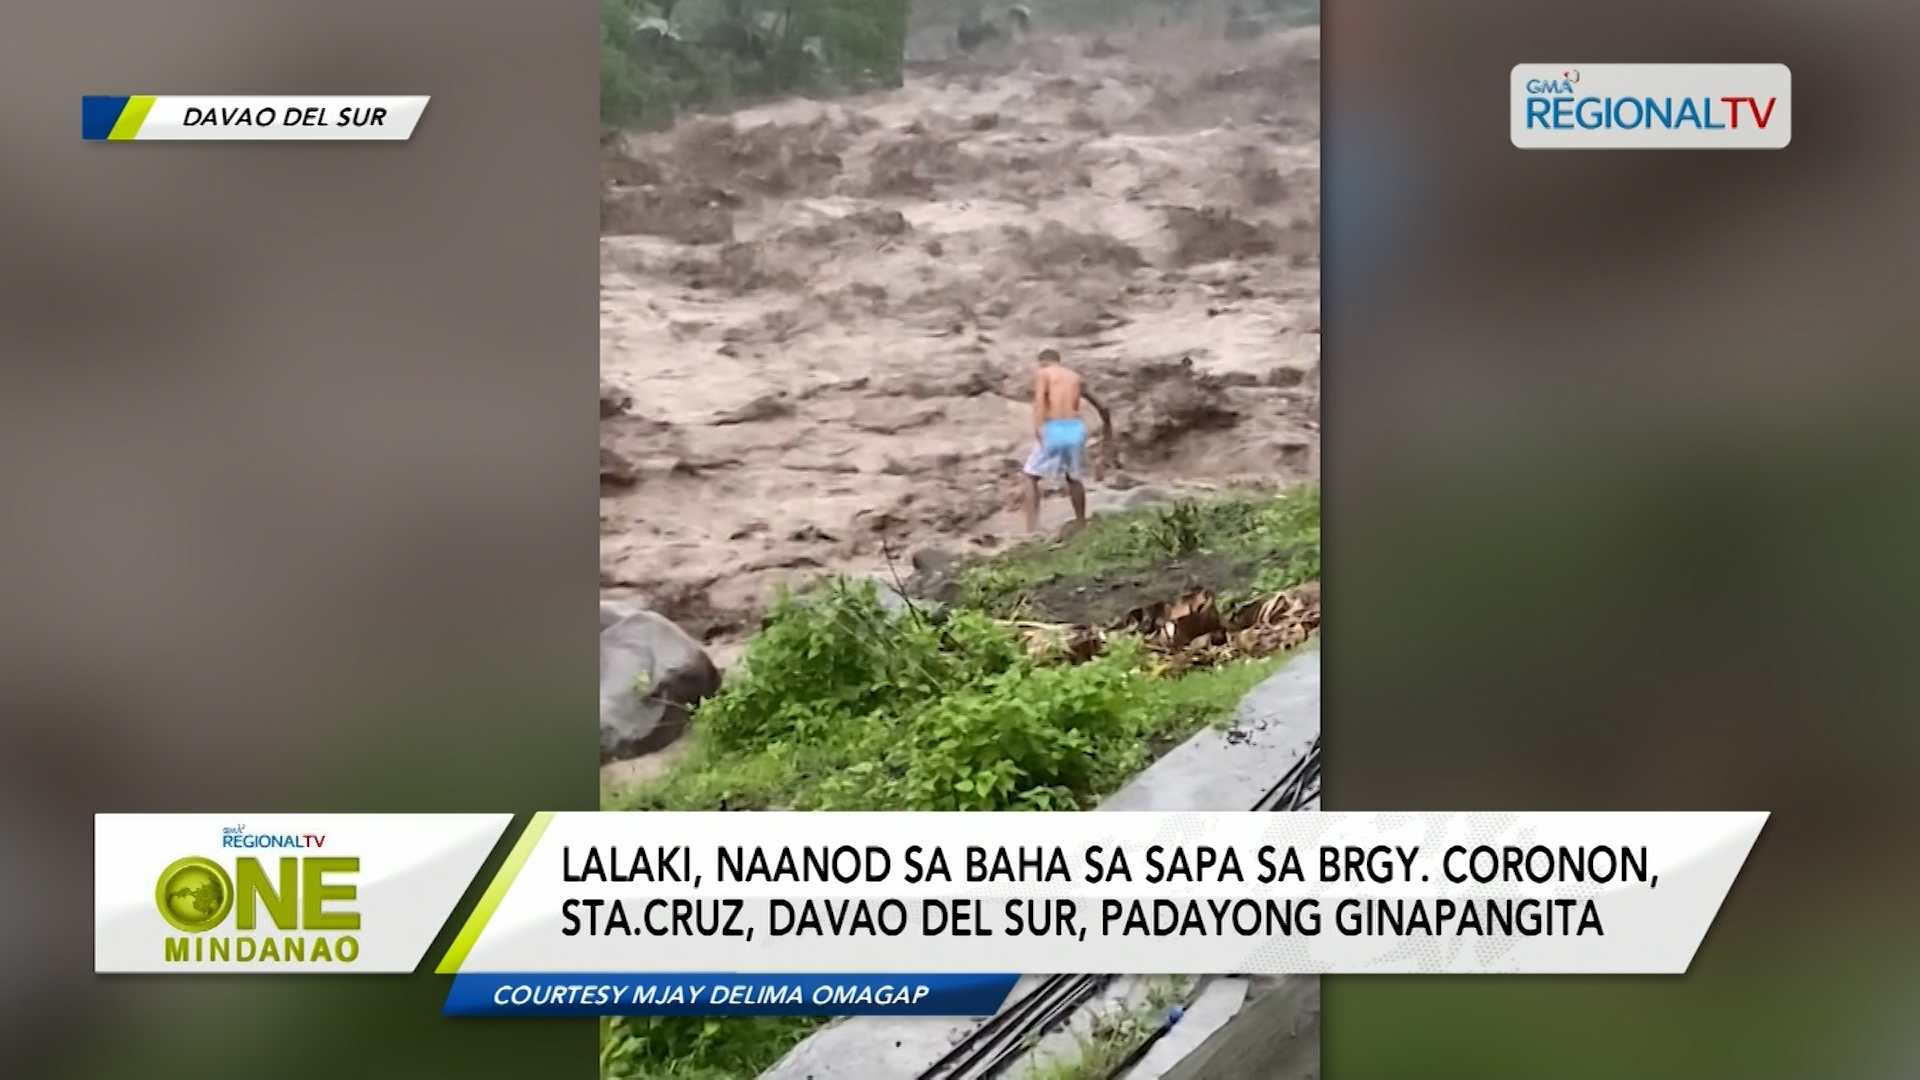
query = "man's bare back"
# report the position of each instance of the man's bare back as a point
(1056, 393)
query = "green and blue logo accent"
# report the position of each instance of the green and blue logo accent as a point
(113, 118)
(673, 994)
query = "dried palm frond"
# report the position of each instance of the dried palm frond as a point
(1190, 631)
(1063, 641)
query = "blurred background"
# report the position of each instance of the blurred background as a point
(298, 457)
(1621, 466)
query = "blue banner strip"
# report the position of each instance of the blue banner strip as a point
(98, 114)
(724, 994)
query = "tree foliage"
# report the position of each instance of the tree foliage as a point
(660, 56)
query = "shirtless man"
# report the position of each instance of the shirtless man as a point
(1060, 436)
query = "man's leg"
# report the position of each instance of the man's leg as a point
(1076, 479)
(1030, 500)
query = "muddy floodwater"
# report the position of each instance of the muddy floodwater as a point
(818, 319)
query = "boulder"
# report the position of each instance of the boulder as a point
(652, 674)
(935, 576)
(934, 560)
(901, 605)
(1166, 402)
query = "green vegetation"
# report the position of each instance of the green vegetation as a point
(697, 1048)
(1238, 546)
(843, 704)
(1095, 15)
(658, 57)
(1117, 1033)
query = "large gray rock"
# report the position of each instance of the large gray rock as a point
(936, 576)
(651, 675)
(897, 604)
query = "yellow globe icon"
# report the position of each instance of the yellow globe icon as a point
(194, 894)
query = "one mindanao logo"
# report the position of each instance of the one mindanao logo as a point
(1628, 106)
(299, 912)
(194, 894)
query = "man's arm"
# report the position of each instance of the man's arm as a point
(1106, 418)
(1039, 406)
(1106, 424)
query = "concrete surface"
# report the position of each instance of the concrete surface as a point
(1218, 1003)
(881, 1047)
(1232, 769)
(1061, 1046)
(1214, 770)
(1275, 1036)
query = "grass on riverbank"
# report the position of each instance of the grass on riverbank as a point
(1234, 546)
(840, 704)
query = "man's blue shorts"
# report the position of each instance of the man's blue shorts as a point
(1061, 452)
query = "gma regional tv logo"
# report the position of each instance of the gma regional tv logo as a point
(261, 909)
(1651, 106)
